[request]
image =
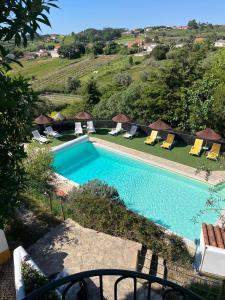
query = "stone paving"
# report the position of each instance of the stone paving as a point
(215, 176)
(72, 248)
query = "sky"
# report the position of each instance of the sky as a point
(77, 15)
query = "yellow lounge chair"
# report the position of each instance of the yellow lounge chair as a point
(168, 143)
(196, 149)
(214, 152)
(151, 138)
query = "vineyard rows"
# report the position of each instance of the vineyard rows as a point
(56, 81)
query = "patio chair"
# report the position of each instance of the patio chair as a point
(49, 131)
(78, 128)
(151, 138)
(90, 127)
(197, 148)
(116, 130)
(169, 142)
(39, 138)
(214, 152)
(131, 133)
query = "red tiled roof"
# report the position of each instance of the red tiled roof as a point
(213, 235)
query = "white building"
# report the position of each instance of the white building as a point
(54, 53)
(210, 253)
(220, 43)
(148, 47)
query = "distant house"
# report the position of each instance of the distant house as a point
(199, 40)
(180, 45)
(54, 53)
(42, 53)
(138, 42)
(182, 27)
(210, 254)
(148, 47)
(220, 43)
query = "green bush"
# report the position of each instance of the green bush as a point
(37, 165)
(96, 205)
(33, 280)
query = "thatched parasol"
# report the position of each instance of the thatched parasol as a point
(83, 116)
(121, 118)
(208, 134)
(160, 125)
(43, 120)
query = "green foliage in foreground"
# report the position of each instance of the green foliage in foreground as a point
(96, 205)
(38, 169)
(34, 280)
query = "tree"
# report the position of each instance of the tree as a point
(131, 61)
(91, 94)
(192, 24)
(19, 20)
(72, 84)
(123, 79)
(200, 100)
(111, 48)
(159, 52)
(72, 51)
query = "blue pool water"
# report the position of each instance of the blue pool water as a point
(166, 198)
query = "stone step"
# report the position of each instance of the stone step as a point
(147, 262)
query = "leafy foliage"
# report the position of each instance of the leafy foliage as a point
(123, 79)
(16, 114)
(95, 205)
(33, 280)
(18, 19)
(72, 84)
(91, 94)
(38, 168)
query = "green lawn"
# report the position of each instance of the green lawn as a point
(180, 153)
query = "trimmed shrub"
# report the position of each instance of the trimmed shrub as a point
(96, 205)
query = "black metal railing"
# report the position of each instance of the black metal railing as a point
(166, 290)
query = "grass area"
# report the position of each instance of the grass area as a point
(52, 74)
(179, 154)
(61, 99)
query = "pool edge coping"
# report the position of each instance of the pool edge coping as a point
(160, 162)
(191, 246)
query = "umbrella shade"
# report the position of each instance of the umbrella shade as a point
(160, 125)
(43, 120)
(121, 118)
(83, 116)
(208, 134)
(59, 117)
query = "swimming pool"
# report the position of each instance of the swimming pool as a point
(166, 198)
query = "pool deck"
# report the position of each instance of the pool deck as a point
(214, 178)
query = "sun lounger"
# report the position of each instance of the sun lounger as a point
(39, 138)
(49, 131)
(214, 152)
(90, 127)
(78, 128)
(116, 130)
(151, 138)
(197, 148)
(130, 134)
(168, 143)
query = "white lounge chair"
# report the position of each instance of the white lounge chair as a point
(116, 130)
(130, 134)
(49, 131)
(90, 127)
(78, 128)
(39, 138)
